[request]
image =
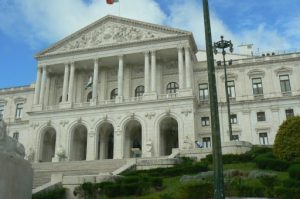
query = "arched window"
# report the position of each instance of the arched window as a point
(114, 93)
(89, 96)
(139, 91)
(172, 87)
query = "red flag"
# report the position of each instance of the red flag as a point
(109, 1)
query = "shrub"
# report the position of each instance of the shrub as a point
(287, 141)
(294, 171)
(287, 193)
(291, 183)
(195, 190)
(244, 188)
(263, 162)
(57, 193)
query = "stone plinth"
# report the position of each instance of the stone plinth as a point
(16, 177)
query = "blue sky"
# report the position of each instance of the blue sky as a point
(28, 26)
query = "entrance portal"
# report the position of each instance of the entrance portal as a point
(78, 143)
(48, 145)
(106, 141)
(168, 135)
(133, 139)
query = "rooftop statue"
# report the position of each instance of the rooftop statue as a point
(9, 145)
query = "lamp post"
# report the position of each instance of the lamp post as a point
(223, 44)
(214, 111)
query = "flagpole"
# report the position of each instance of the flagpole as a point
(119, 8)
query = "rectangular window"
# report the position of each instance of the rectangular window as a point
(205, 121)
(16, 136)
(289, 113)
(1, 111)
(285, 83)
(203, 92)
(257, 86)
(206, 142)
(233, 119)
(231, 89)
(263, 138)
(235, 137)
(261, 116)
(19, 110)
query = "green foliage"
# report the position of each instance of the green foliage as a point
(287, 141)
(294, 171)
(287, 193)
(195, 190)
(265, 162)
(185, 168)
(244, 188)
(241, 158)
(58, 193)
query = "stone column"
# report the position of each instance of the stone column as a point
(65, 84)
(153, 71)
(43, 85)
(47, 92)
(71, 83)
(180, 68)
(188, 68)
(118, 144)
(91, 153)
(147, 72)
(95, 80)
(37, 86)
(120, 77)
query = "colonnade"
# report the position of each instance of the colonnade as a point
(150, 82)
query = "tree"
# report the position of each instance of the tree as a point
(287, 141)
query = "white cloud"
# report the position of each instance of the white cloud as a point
(42, 22)
(49, 20)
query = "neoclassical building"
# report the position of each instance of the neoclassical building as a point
(119, 88)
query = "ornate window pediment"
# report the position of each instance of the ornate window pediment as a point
(3, 102)
(20, 100)
(230, 76)
(256, 73)
(283, 71)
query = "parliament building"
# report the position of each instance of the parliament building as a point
(121, 88)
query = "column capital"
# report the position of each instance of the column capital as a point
(96, 60)
(72, 63)
(153, 52)
(147, 52)
(180, 47)
(187, 47)
(40, 66)
(121, 56)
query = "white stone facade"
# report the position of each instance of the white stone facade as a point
(72, 112)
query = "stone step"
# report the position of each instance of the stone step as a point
(43, 171)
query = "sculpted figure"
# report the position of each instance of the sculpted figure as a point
(61, 153)
(30, 154)
(187, 143)
(9, 145)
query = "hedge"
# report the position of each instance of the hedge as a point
(294, 171)
(264, 162)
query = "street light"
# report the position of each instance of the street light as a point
(223, 44)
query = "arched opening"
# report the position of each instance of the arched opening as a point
(89, 96)
(172, 87)
(105, 141)
(139, 91)
(168, 129)
(48, 145)
(114, 93)
(133, 139)
(78, 143)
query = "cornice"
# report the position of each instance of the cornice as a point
(124, 21)
(117, 46)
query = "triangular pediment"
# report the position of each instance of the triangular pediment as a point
(110, 31)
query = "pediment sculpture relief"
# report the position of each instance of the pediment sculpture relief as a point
(110, 33)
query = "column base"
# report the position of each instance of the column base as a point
(63, 105)
(37, 107)
(93, 102)
(119, 99)
(186, 92)
(150, 96)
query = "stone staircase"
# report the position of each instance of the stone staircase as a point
(43, 171)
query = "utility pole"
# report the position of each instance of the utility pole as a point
(215, 124)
